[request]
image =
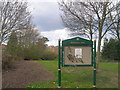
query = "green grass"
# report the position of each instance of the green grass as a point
(80, 77)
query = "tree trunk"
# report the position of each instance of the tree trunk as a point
(98, 52)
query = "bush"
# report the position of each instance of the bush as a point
(32, 53)
(49, 55)
(6, 60)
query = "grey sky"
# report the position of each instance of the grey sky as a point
(46, 15)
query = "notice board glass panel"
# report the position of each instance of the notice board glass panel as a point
(77, 55)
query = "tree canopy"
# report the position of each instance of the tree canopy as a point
(14, 16)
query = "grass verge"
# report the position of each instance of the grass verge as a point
(80, 77)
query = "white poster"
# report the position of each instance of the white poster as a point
(78, 52)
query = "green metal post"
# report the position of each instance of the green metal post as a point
(94, 65)
(59, 68)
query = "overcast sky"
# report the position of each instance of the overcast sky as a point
(46, 17)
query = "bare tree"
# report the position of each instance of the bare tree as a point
(116, 26)
(88, 18)
(79, 21)
(14, 16)
(28, 37)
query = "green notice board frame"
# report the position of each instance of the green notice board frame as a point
(75, 42)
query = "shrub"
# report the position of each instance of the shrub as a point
(48, 55)
(32, 53)
(6, 60)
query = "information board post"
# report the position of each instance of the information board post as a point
(59, 68)
(94, 65)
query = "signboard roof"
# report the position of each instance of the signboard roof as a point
(77, 41)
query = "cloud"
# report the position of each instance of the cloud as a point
(54, 35)
(43, 0)
(62, 34)
(46, 15)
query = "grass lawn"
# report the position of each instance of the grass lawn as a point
(80, 77)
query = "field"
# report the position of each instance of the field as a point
(80, 77)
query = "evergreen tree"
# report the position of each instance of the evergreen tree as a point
(111, 50)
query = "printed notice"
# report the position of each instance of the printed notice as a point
(77, 55)
(78, 52)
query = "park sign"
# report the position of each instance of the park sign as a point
(77, 52)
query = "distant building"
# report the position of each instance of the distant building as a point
(53, 49)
